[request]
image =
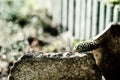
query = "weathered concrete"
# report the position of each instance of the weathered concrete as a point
(59, 66)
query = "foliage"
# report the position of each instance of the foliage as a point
(76, 41)
(10, 8)
(111, 1)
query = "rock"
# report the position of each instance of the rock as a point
(56, 66)
(105, 48)
(107, 55)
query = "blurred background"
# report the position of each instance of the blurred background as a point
(50, 26)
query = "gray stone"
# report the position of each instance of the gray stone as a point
(59, 66)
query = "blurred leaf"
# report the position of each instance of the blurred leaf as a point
(76, 41)
(10, 8)
(111, 1)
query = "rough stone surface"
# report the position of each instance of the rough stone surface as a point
(59, 66)
(107, 55)
(106, 50)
